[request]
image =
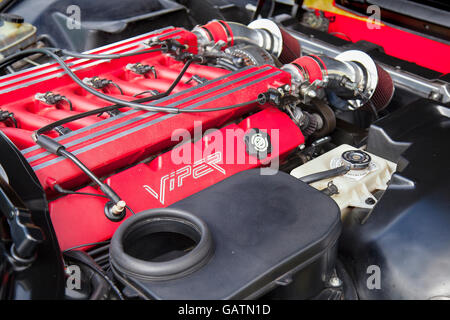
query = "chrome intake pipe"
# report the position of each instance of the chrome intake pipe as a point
(263, 33)
(352, 75)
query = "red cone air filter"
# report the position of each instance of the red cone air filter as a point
(282, 44)
(383, 91)
(291, 48)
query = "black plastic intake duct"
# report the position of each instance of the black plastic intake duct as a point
(160, 244)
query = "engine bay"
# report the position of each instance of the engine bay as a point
(225, 161)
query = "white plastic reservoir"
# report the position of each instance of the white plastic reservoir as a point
(356, 187)
(15, 34)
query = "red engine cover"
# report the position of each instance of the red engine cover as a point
(108, 144)
(133, 135)
(80, 219)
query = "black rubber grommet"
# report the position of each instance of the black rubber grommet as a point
(113, 217)
(9, 17)
(160, 220)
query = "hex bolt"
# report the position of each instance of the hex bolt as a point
(335, 282)
(435, 96)
(312, 94)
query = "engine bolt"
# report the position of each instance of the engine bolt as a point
(311, 94)
(335, 282)
(118, 208)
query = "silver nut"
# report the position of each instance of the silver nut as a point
(311, 94)
(335, 282)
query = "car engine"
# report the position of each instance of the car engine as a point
(227, 160)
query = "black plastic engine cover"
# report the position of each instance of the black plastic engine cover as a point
(266, 230)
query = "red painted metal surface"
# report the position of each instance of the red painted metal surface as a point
(109, 144)
(134, 135)
(80, 219)
(105, 144)
(396, 42)
(17, 91)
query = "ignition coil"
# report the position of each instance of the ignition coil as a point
(101, 83)
(51, 98)
(141, 69)
(5, 115)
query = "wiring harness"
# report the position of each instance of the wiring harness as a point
(115, 209)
